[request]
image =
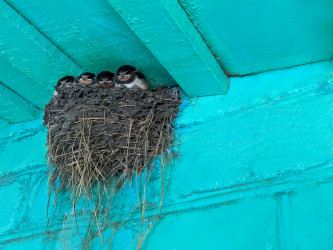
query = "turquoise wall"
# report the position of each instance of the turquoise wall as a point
(254, 171)
(255, 166)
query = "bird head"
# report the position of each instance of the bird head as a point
(64, 80)
(86, 78)
(106, 78)
(125, 74)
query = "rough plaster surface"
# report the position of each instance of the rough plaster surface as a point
(254, 171)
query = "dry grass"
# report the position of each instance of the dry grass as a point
(108, 139)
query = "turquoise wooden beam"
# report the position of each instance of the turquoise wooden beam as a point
(29, 51)
(166, 30)
(249, 37)
(15, 108)
(93, 35)
(24, 86)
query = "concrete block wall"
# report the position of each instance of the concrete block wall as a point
(254, 171)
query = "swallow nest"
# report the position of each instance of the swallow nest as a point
(95, 133)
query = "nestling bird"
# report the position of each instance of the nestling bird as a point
(65, 80)
(105, 79)
(86, 78)
(128, 75)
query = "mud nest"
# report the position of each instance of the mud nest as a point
(96, 133)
